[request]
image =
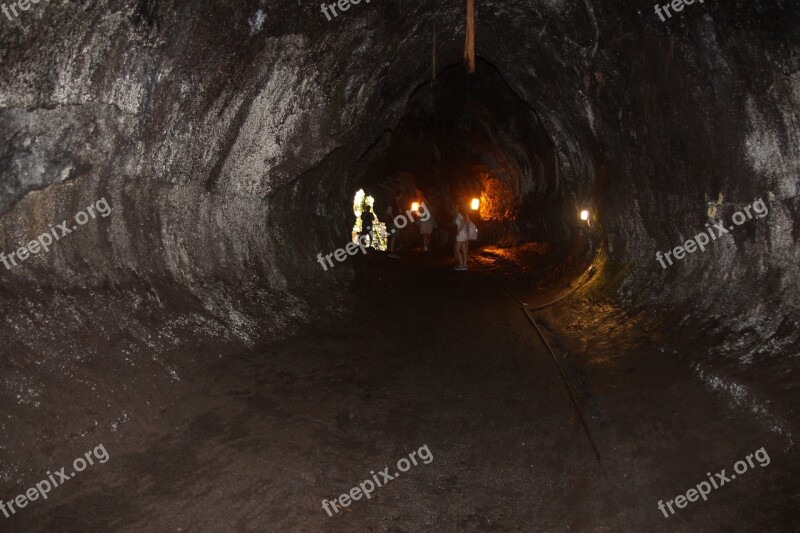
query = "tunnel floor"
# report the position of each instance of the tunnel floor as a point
(443, 359)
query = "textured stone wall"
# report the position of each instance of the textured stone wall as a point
(225, 136)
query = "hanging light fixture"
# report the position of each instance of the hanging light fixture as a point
(469, 40)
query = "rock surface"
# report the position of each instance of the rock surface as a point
(227, 139)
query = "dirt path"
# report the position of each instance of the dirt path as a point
(441, 359)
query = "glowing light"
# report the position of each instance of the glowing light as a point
(476, 203)
(415, 206)
(377, 237)
(584, 215)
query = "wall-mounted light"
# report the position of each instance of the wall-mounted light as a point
(476, 204)
(415, 206)
(584, 215)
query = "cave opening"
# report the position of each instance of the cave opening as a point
(467, 137)
(469, 140)
(375, 233)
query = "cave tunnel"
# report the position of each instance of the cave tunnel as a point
(195, 338)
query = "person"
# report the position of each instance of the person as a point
(394, 210)
(461, 249)
(367, 219)
(426, 224)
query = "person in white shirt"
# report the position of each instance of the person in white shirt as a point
(462, 237)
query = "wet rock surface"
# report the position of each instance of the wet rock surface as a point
(257, 443)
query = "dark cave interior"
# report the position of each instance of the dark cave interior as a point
(235, 383)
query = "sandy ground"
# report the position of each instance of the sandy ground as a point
(443, 359)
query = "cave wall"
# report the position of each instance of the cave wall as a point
(163, 106)
(223, 136)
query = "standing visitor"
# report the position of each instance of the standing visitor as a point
(427, 224)
(395, 209)
(462, 223)
(367, 219)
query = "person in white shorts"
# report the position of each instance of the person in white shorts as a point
(462, 237)
(426, 226)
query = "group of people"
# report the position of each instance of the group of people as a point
(464, 228)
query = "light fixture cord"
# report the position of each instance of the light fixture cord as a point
(469, 42)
